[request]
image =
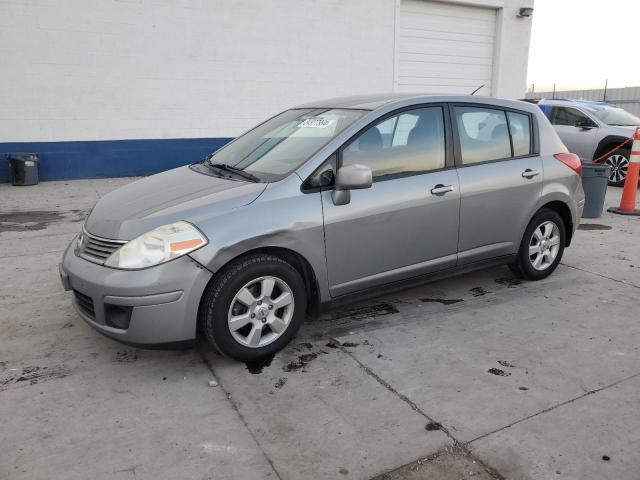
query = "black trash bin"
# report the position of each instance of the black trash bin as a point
(595, 177)
(24, 168)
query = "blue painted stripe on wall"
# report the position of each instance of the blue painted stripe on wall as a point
(109, 158)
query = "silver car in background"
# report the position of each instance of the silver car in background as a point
(323, 204)
(593, 130)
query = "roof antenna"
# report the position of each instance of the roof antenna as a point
(478, 88)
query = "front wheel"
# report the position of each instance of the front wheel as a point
(254, 307)
(542, 246)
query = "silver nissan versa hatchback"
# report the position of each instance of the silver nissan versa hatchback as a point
(324, 203)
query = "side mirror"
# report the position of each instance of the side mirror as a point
(584, 124)
(350, 177)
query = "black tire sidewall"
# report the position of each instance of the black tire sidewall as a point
(222, 291)
(524, 264)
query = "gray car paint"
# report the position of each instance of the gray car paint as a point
(394, 230)
(587, 142)
(178, 194)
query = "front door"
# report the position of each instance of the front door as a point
(576, 130)
(406, 224)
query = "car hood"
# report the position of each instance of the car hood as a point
(178, 194)
(622, 130)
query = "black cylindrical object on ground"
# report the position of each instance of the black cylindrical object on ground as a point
(24, 169)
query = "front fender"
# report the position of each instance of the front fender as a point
(282, 217)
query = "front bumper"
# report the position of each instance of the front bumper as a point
(156, 305)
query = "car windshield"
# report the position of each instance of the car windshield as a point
(278, 146)
(614, 115)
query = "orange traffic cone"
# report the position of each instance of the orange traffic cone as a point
(628, 200)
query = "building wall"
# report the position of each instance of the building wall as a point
(627, 98)
(152, 71)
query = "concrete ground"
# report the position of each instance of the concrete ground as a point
(481, 376)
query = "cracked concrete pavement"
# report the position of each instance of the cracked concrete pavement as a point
(479, 376)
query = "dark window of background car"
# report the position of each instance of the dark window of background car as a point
(569, 116)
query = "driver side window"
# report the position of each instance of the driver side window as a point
(570, 117)
(409, 143)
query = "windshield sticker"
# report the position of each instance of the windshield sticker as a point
(315, 123)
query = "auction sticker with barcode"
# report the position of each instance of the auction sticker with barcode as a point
(315, 123)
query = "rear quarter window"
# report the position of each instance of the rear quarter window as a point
(520, 128)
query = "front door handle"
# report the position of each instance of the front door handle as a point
(528, 173)
(441, 189)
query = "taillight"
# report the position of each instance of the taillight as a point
(571, 160)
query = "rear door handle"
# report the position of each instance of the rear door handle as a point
(528, 173)
(441, 189)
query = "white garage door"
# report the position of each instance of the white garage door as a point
(445, 48)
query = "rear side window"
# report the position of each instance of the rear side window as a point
(483, 133)
(520, 128)
(411, 142)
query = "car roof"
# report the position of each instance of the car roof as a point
(376, 101)
(574, 102)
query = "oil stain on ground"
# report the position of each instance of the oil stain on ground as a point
(511, 282)
(366, 311)
(256, 367)
(22, 221)
(478, 291)
(126, 356)
(301, 362)
(443, 301)
(593, 226)
(34, 375)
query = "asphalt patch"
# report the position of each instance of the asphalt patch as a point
(23, 221)
(443, 301)
(593, 226)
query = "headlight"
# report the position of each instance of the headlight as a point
(157, 246)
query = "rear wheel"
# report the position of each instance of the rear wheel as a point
(254, 307)
(619, 162)
(542, 246)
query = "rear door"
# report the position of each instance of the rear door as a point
(406, 224)
(578, 139)
(500, 177)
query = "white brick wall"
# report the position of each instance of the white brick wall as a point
(120, 69)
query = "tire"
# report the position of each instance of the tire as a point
(542, 243)
(619, 162)
(235, 297)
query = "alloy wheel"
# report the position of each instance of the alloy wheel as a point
(619, 164)
(544, 245)
(261, 311)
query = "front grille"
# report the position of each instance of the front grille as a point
(97, 249)
(85, 304)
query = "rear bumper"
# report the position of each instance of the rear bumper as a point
(154, 306)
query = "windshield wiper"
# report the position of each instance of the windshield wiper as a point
(229, 168)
